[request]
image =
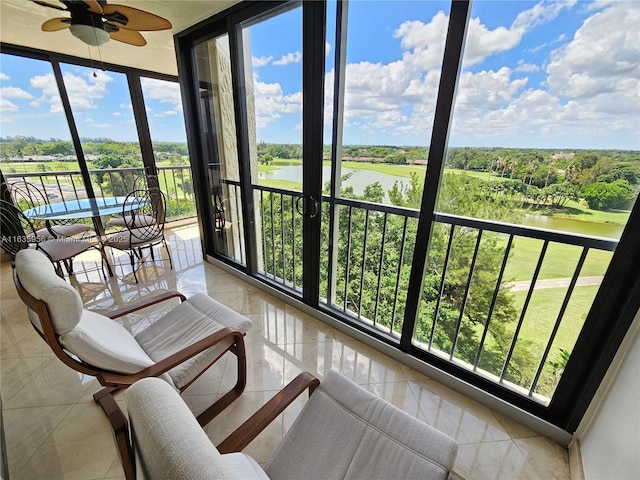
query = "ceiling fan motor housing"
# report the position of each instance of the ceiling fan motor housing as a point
(94, 36)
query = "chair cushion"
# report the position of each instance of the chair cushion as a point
(68, 230)
(133, 238)
(168, 441)
(123, 222)
(346, 432)
(38, 277)
(243, 466)
(104, 343)
(194, 319)
(64, 248)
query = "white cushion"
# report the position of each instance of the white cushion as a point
(346, 432)
(104, 343)
(38, 277)
(243, 466)
(192, 320)
(168, 442)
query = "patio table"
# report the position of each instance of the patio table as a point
(81, 208)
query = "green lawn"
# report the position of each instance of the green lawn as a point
(543, 311)
(283, 184)
(560, 260)
(578, 211)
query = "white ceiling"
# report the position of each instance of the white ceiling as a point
(20, 22)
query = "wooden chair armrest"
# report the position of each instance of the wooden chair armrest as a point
(145, 303)
(118, 380)
(246, 432)
(119, 429)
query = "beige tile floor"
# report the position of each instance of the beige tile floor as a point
(54, 430)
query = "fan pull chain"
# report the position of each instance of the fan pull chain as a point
(95, 75)
(91, 58)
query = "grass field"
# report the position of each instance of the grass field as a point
(543, 311)
(560, 260)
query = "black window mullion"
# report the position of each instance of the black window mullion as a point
(75, 138)
(190, 91)
(238, 75)
(142, 123)
(336, 144)
(313, 57)
(451, 65)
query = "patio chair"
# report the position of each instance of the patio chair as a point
(178, 347)
(143, 214)
(343, 432)
(141, 182)
(27, 195)
(18, 233)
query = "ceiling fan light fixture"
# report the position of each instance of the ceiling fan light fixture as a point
(90, 35)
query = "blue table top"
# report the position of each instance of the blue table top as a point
(83, 208)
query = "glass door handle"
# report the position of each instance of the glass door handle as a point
(310, 206)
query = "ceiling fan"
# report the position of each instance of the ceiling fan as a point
(95, 22)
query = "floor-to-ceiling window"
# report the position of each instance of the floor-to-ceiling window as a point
(101, 106)
(36, 138)
(429, 235)
(163, 108)
(79, 130)
(381, 94)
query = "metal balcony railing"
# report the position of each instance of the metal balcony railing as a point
(61, 186)
(365, 273)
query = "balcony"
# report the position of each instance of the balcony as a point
(47, 406)
(348, 275)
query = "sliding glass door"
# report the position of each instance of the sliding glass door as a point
(250, 103)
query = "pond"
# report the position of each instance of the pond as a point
(360, 178)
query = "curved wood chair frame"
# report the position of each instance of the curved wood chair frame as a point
(235, 442)
(114, 381)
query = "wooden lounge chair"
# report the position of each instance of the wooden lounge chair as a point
(178, 347)
(343, 432)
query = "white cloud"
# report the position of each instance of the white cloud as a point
(82, 93)
(117, 114)
(7, 106)
(15, 92)
(601, 59)
(294, 57)
(260, 62)
(271, 103)
(526, 67)
(4, 76)
(327, 48)
(126, 106)
(163, 91)
(166, 113)
(91, 122)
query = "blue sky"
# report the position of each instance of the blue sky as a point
(562, 74)
(101, 105)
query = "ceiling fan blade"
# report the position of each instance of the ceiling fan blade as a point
(128, 36)
(136, 19)
(45, 4)
(94, 6)
(56, 24)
